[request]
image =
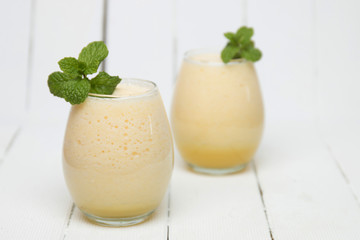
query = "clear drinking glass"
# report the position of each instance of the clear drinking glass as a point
(217, 112)
(118, 154)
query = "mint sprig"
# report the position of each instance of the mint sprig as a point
(103, 83)
(72, 83)
(240, 45)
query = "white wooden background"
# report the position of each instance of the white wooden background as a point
(304, 182)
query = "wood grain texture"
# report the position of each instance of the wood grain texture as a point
(339, 75)
(215, 207)
(307, 165)
(34, 201)
(304, 192)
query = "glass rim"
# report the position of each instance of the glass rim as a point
(152, 89)
(188, 54)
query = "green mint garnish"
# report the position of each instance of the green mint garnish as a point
(103, 83)
(73, 84)
(73, 90)
(92, 55)
(240, 45)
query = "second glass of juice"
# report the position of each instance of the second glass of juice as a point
(217, 112)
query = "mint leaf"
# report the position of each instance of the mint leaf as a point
(244, 34)
(248, 45)
(92, 55)
(72, 66)
(73, 85)
(240, 45)
(253, 54)
(231, 37)
(103, 83)
(55, 81)
(229, 52)
(73, 90)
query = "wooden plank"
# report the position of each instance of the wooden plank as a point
(215, 207)
(285, 33)
(210, 207)
(338, 73)
(343, 146)
(339, 112)
(139, 36)
(305, 194)
(34, 201)
(14, 48)
(62, 29)
(8, 134)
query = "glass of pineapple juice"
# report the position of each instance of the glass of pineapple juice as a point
(217, 112)
(118, 154)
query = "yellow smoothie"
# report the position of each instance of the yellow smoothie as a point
(118, 152)
(217, 112)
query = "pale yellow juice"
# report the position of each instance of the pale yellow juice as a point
(217, 112)
(118, 152)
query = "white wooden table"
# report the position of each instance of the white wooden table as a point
(304, 182)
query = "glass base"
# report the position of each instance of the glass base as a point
(217, 171)
(118, 222)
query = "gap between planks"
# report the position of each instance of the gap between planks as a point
(174, 42)
(68, 221)
(28, 82)
(168, 216)
(317, 98)
(30, 55)
(342, 172)
(11, 143)
(104, 29)
(262, 199)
